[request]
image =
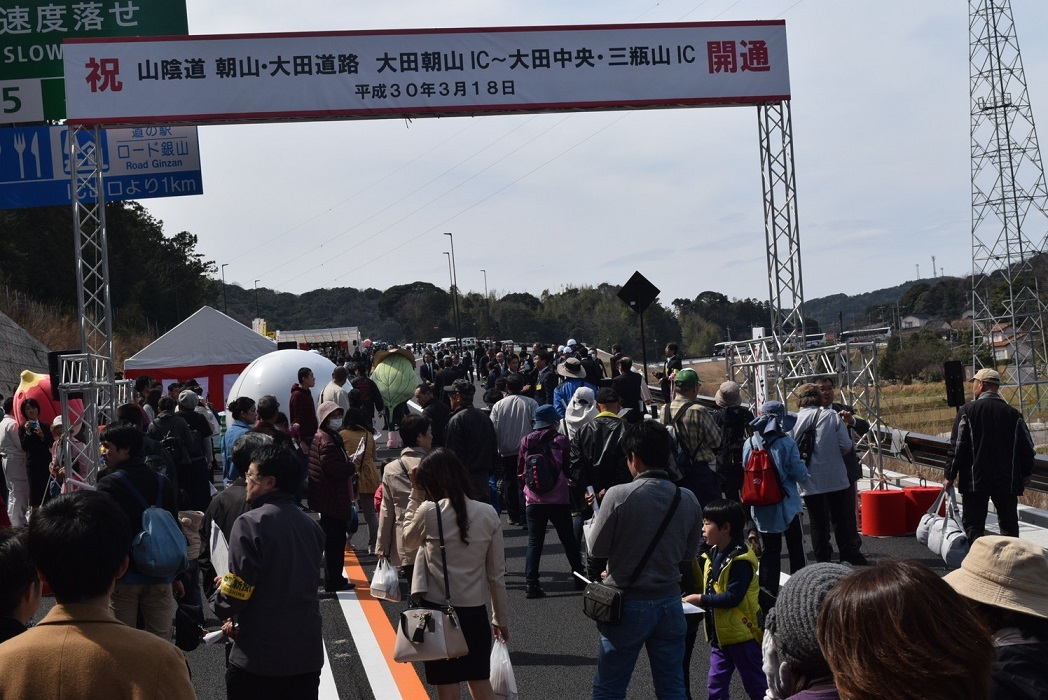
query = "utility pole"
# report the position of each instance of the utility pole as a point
(225, 306)
(933, 267)
(454, 292)
(256, 299)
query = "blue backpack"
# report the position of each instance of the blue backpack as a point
(159, 550)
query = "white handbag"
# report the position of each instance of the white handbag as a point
(944, 535)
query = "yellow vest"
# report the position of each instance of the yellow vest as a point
(739, 624)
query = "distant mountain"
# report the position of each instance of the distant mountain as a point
(853, 308)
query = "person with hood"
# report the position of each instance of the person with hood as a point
(359, 442)
(417, 433)
(546, 449)
(581, 411)
(771, 431)
(574, 377)
(331, 492)
(793, 660)
(1006, 581)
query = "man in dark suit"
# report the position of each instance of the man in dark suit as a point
(627, 385)
(427, 371)
(446, 375)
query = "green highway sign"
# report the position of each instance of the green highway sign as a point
(31, 34)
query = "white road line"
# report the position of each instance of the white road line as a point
(382, 683)
(328, 689)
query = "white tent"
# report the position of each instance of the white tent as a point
(208, 346)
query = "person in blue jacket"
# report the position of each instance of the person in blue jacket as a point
(771, 432)
(574, 376)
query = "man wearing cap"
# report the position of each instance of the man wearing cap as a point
(471, 436)
(198, 482)
(991, 457)
(698, 434)
(574, 377)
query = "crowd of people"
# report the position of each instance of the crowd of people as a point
(646, 501)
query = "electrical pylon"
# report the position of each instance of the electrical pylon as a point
(1009, 221)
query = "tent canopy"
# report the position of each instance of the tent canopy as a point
(208, 346)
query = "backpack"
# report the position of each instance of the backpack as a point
(540, 468)
(175, 446)
(160, 548)
(760, 479)
(806, 440)
(733, 422)
(362, 385)
(682, 460)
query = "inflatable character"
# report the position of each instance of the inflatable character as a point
(395, 377)
(38, 386)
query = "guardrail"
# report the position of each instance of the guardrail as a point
(923, 450)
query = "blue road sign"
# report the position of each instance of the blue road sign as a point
(139, 163)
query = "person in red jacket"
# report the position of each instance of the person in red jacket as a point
(331, 492)
(303, 409)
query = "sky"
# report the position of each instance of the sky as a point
(880, 106)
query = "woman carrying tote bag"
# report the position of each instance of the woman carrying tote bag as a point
(476, 567)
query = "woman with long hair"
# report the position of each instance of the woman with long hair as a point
(476, 567)
(899, 631)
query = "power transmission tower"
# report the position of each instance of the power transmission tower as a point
(1009, 199)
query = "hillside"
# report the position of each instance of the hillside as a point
(825, 310)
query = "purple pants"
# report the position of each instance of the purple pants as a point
(724, 660)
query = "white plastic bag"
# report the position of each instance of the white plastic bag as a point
(384, 584)
(502, 680)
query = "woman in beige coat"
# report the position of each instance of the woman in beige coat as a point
(476, 567)
(417, 433)
(358, 440)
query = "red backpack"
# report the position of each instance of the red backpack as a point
(760, 478)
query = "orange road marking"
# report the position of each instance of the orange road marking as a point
(405, 676)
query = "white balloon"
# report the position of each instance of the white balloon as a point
(275, 372)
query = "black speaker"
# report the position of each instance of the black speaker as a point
(54, 369)
(287, 345)
(954, 374)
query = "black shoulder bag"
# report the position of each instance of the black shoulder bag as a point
(602, 602)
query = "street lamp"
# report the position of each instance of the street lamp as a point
(225, 306)
(256, 299)
(485, 284)
(454, 292)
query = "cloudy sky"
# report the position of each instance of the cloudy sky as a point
(881, 129)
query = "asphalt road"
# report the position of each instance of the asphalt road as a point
(553, 646)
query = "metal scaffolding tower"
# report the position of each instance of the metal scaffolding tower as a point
(90, 374)
(1009, 221)
(781, 230)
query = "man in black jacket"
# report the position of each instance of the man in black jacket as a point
(437, 412)
(991, 457)
(471, 436)
(598, 460)
(627, 384)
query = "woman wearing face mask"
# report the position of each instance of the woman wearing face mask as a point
(331, 491)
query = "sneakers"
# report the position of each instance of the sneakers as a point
(534, 591)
